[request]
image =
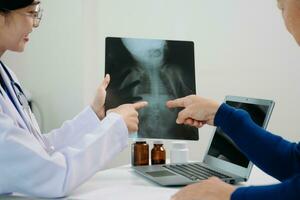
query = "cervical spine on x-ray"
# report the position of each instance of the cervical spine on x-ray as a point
(155, 71)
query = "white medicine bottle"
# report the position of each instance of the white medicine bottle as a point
(179, 152)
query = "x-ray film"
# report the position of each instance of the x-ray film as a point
(155, 71)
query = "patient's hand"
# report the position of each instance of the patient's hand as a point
(197, 110)
(210, 189)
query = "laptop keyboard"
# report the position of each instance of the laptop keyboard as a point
(194, 171)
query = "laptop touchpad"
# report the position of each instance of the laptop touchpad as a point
(160, 173)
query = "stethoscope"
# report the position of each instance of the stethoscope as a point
(32, 126)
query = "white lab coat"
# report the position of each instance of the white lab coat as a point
(83, 146)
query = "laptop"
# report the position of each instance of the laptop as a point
(223, 158)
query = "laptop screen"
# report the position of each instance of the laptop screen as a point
(222, 147)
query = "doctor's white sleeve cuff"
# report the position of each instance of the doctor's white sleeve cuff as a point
(97, 123)
(86, 121)
(116, 129)
(93, 116)
(114, 116)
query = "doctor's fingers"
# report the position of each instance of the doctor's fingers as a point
(135, 121)
(133, 125)
(105, 81)
(131, 111)
(133, 128)
(139, 105)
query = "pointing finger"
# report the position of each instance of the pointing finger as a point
(180, 102)
(139, 105)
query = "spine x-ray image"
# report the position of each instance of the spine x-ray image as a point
(155, 71)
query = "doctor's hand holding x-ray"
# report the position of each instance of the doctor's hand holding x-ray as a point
(127, 111)
(53, 164)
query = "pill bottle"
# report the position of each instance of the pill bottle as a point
(179, 152)
(139, 153)
(158, 153)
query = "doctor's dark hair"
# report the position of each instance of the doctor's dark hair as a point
(9, 5)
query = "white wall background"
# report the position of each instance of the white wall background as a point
(241, 48)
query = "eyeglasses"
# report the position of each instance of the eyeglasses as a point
(36, 15)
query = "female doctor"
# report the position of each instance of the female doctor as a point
(53, 164)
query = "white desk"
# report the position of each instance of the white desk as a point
(124, 183)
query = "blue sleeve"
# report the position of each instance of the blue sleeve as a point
(287, 190)
(274, 155)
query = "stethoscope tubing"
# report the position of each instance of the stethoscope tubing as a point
(25, 106)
